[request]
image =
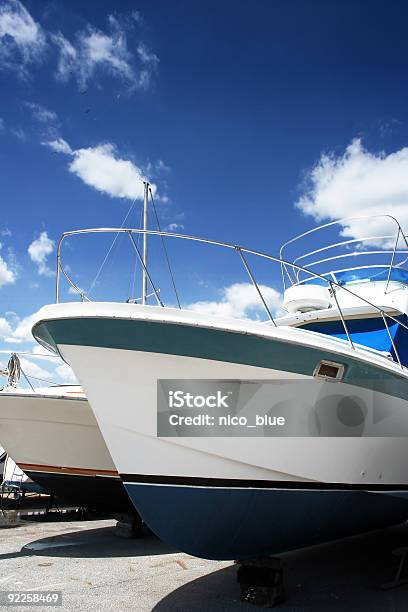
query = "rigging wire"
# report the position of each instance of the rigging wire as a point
(165, 249)
(29, 376)
(92, 286)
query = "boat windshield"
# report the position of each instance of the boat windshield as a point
(360, 275)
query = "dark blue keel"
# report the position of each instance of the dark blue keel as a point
(231, 523)
(97, 493)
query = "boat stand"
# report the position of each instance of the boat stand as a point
(398, 580)
(129, 525)
(261, 581)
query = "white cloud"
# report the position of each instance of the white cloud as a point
(137, 16)
(158, 167)
(101, 167)
(67, 56)
(91, 53)
(95, 51)
(73, 291)
(110, 51)
(34, 364)
(241, 301)
(41, 114)
(7, 276)
(59, 146)
(31, 368)
(162, 167)
(22, 330)
(173, 227)
(8, 272)
(150, 62)
(5, 329)
(2, 127)
(39, 250)
(65, 373)
(43, 354)
(359, 183)
(12, 316)
(22, 40)
(162, 198)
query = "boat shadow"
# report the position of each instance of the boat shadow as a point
(92, 543)
(345, 574)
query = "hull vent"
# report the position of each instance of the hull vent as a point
(329, 370)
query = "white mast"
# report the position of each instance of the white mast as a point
(145, 224)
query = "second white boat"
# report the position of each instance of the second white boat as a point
(52, 435)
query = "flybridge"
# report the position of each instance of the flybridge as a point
(374, 258)
(375, 276)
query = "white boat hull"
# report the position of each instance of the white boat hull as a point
(55, 439)
(230, 497)
(131, 383)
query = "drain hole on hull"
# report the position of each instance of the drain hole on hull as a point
(329, 370)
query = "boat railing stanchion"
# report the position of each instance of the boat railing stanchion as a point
(392, 260)
(255, 284)
(57, 278)
(341, 314)
(391, 339)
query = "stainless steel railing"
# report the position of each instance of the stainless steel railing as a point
(242, 252)
(359, 252)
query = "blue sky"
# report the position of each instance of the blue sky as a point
(253, 120)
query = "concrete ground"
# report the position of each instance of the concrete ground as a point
(97, 570)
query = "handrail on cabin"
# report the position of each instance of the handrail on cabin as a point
(342, 222)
